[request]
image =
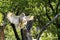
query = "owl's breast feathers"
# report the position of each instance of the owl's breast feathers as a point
(23, 22)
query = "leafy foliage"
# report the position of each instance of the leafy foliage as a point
(42, 11)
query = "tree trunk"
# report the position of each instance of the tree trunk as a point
(1, 33)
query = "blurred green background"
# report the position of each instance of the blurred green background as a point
(41, 9)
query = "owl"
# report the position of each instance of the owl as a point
(19, 21)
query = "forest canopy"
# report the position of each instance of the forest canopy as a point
(43, 11)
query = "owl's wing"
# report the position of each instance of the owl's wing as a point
(29, 18)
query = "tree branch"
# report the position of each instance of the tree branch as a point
(56, 13)
(51, 6)
(48, 15)
(16, 35)
(43, 29)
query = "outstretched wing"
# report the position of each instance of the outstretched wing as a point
(29, 18)
(12, 18)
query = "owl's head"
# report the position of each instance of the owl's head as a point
(22, 14)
